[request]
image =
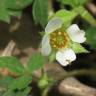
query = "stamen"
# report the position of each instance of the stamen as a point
(59, 39)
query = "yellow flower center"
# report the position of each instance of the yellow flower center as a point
(59, 39)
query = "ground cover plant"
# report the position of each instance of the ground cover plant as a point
(47, 48)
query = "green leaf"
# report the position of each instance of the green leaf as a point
(16, 13)
(9, 93)
(18, 4)
(67, 2)
(4, 15)
(1, 93)
(86, 15)
(81, 2)
(73, 3)
(12, 7)
(12, 63)
(91, 36)
(20, 82)
(65, 15)
(5, 81)
(77, 48)
(35, 62)
(40, 11)
(25, 92)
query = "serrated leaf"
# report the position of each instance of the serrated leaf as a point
(81, 2)
(77, 48)
(1, 93)
(35, 62)
(20, 82)
(65, 15)
(9, 93)
(16, 13)
(18, 4)
(25, 92)
(4, 15)
(67, 2)
(13, 65)
(40, 11)
(5, 81)
(86, 16)
(73, 3)
(91, 36)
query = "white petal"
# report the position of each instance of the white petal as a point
(53, 24)
(76, 34)
(69, 54)
(46, 48)
(73, 29)
(65, 57)
(79, 37)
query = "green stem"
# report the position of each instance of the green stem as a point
(45, 91)
(69, 74)
(50, 8)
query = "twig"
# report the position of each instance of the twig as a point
(69, 85)
(92, 8)
(14, 26)
(8, 50)
(72, 87)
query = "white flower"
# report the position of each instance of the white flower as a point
(58, 39)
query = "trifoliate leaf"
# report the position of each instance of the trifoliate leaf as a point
(81, 2)
(20, 82)
(25, 92)
(35, 62)
(9, 93)
(77, 48)
(40, 11)
(67, 2)
(18, 4)
(4, 15)
(73, 3)
(65, 15)
(5, 81)
(12, 64)
(91, 36)
(17, 13)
